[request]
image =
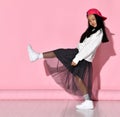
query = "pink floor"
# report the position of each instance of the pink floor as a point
(56, 108)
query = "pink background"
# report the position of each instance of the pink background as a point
(47, 25)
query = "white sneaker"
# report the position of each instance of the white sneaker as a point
(33, 56)
(87, 104)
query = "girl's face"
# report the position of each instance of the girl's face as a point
(92, 20)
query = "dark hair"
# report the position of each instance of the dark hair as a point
(89, 31)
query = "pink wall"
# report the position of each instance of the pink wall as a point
(47, 25)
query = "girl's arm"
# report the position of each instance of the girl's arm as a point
(95, 41)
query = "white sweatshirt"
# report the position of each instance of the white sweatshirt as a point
(88, 47)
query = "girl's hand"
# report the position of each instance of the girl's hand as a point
(73, 64)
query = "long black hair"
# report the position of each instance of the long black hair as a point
(91, 30)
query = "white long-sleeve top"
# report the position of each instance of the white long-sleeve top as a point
(88, 47)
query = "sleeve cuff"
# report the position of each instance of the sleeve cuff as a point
(75, 60)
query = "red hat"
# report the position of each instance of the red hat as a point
(95, 11)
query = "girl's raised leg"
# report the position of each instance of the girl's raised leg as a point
(33, 55)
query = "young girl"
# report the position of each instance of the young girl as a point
(78, 61)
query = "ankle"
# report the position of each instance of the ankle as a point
(86, 96)
(40, 56)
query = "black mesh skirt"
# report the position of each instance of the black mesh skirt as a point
(64, 74)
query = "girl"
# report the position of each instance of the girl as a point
(78, 61)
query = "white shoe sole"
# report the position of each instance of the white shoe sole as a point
(88, 104)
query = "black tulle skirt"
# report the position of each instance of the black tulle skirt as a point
(64, 74)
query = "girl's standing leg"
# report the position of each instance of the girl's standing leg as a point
(87, 104)
(81, 86)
